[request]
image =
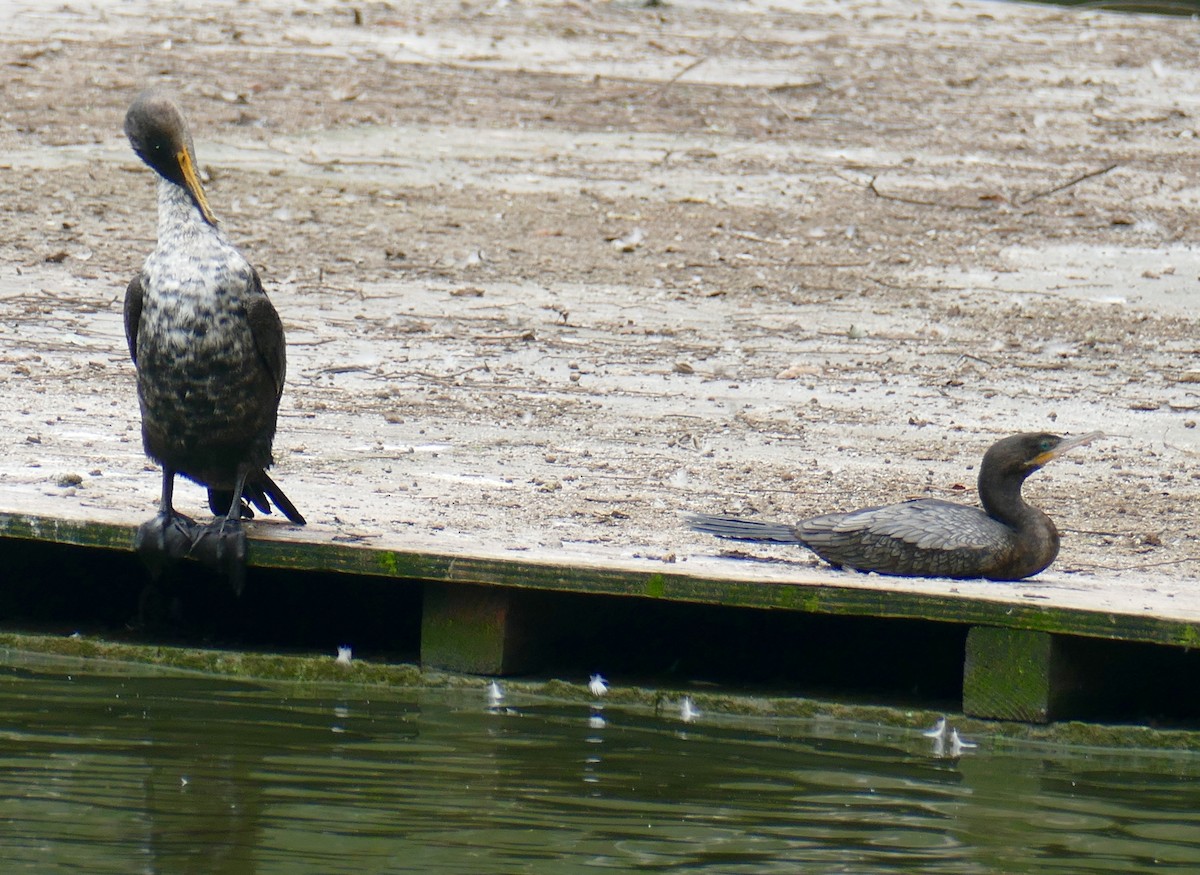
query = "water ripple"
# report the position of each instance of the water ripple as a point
(120, 773)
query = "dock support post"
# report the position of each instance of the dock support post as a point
(479, 629)
(1013, 674)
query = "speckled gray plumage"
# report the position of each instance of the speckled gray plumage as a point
(209, 350)
(921, 538)
(928, 537)
(208, 393)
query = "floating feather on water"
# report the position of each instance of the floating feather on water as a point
(495, 695)
(958, 744)
(688, 711)
(938, 730)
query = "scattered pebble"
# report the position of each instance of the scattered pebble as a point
(792, 372)
(630, 241)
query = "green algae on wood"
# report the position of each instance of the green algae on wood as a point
(1009, 674)
(479, 629)
(62, 531)
(884, 598)
(363, 677)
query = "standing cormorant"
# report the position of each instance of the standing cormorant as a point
(209, 351)
(1008, 540)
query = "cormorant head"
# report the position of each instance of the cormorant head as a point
(1022, 454)
(159, 135)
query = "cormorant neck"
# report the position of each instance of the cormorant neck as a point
(1034, 531)
(177, 211)
(1000, 495)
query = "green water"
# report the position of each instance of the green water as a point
(104, 769)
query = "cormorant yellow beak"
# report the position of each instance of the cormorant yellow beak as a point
(1064, 446)
(191, 179)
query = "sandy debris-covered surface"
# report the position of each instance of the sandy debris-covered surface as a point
(552, 271)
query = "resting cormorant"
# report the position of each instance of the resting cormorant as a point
(1008, 540)
(209, 351)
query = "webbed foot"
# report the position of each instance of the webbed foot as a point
(221, 546)
(163, 540)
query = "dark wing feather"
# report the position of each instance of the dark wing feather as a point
(133, 314)
(267, 487)
(267, 331)
(926, 537)
(739, 529)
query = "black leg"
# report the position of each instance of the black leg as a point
(221, 500)
(167, 537)
(170, 536)
(223, 544)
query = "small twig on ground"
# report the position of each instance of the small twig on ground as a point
(911, 200)
(967, 355)
(787, 113)
(1140, 566)
(749, 235)
(662, 90)
(527, 334)
(430, 375)
(1066, 185)
(344, 369)
(353, 162)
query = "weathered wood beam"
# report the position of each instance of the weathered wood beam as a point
(1011, 674)
(480, 629)
(815, 597)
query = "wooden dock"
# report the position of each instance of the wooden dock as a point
(553, 272)
(480, 612)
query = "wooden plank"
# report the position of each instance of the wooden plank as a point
(529, 419)
(1034, 676)
(479, 629)
(818, 594)
(1010, 674)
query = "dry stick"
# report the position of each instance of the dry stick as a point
(1139, 566)
(662, 90)
(1066, 185)
(430, 375)
(788, 114)
(907, 200)
(967, 355)
(355, 162)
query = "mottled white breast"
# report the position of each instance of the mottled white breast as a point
(194, 284)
